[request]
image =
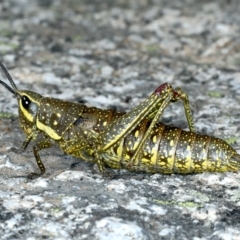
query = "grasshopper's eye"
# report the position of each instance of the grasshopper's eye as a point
(26, 102)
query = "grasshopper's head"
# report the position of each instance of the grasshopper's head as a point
(28, 103)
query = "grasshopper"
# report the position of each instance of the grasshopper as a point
(135, 140)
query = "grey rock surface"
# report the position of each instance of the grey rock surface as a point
(114, 54)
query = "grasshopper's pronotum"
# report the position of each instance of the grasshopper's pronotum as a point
(135, 140)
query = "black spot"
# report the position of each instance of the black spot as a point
(26, 102)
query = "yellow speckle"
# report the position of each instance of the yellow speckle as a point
(153, 150)
(136, 134)
(105, 123)
(154, 139)
(119, 151)
(55, 123)
(171, 143)
(58, 114)
(135, 145)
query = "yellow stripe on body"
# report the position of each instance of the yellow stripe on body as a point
(26, 113)
(188, 161)
(47, 130)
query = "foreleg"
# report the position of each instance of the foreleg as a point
(46, 143)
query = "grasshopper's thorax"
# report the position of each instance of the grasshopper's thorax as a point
(28, 104)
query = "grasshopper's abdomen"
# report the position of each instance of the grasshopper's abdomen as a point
(167, 150)
(187, 152)
(172, 150)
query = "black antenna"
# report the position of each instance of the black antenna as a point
(5, 71)
(8, 87)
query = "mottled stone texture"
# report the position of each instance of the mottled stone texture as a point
(113, 54)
